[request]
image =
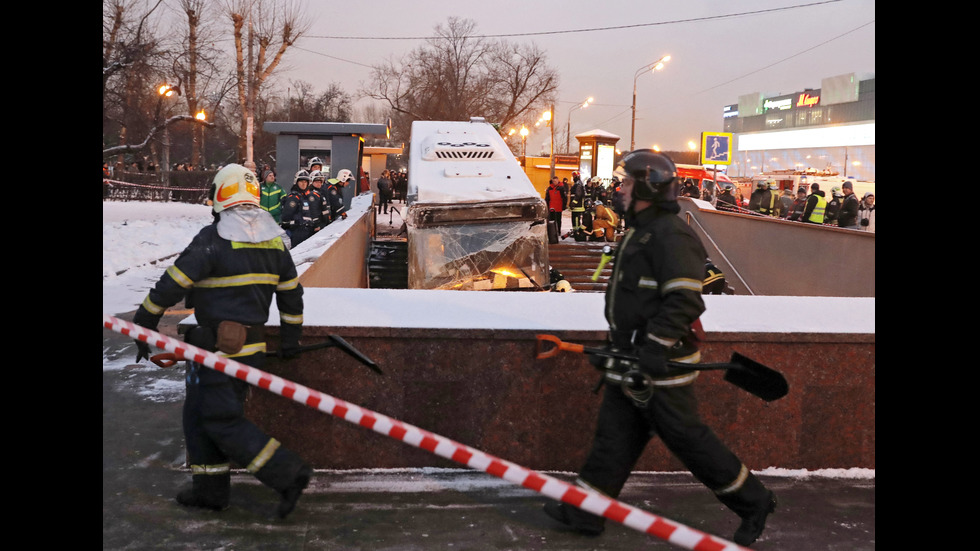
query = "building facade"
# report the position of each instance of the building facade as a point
(827, 130)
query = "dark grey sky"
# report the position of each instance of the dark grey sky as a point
(774, 46)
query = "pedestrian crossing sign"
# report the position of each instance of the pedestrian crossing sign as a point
(716, 148)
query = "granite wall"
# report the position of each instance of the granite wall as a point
(487, 390)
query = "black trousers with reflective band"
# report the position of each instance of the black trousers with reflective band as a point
(624, 429)
(217, 433)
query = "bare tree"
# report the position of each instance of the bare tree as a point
(131, 62)
(135, 148)
(191, 72)
(306, 104)
(263, 31)
(456, 75)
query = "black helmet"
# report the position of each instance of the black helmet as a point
(654, 175)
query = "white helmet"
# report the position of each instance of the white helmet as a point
(317, 175)
(345, 175)
(301, 174)
(563, 287)
(234, 185)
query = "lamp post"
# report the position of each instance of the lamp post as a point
(524, 133)
(550, 118)
(652, 67)
(166, 91)
(568, 126)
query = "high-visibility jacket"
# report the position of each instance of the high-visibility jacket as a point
(271, 198)
(816, 206)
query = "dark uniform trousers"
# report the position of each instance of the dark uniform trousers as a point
(624, 429)
(217, 432)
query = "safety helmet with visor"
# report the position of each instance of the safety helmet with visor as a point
(234, 185)
(654, 175)
(344, 176)
(315, 162)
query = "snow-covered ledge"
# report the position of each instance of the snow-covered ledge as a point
(501, 310)
(336, 255)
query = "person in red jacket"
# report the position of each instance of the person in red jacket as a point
(555, 200)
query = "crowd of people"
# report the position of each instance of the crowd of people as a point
(313, 203)
(843, 209)
(597, 208)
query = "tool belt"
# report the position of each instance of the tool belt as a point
(625, 373)
(228, 337)
(621, 373)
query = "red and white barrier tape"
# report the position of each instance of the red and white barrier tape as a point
(593, 502)
(148, 186)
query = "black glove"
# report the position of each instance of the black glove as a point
(603, 362)
(142, 351)
(653, 359)
(289, 340)
(289, 351)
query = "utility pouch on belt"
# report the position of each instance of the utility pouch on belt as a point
(231, 337)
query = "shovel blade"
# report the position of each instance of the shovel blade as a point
(762, 381)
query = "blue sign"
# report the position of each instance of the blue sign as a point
(716, 148)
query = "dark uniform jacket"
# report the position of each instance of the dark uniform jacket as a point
(576, 199)
(655, 289)
(334, 202)
(303, 209)
(229, 280)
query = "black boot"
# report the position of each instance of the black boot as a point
(575, 518)
(753, 524)
(207, 492)
(292, 492)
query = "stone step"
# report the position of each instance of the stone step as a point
(577, 261)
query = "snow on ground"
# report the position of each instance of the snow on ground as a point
(139, 242)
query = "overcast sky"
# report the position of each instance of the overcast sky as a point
(719, 51)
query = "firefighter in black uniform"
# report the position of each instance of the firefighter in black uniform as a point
(302, 209)
(334, 195)
(229, 274)
(653, 297)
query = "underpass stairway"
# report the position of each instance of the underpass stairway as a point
(577, 261)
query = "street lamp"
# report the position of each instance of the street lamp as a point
(166, 91)
(549, 117)
(568, 128)
(524, 133)
(652, 67)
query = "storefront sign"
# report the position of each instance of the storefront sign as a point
(806, 100)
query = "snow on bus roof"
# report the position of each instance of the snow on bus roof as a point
(464, 162)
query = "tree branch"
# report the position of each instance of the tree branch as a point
(130, 148)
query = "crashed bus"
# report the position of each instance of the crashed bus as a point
(474, 220)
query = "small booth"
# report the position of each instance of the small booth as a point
(597, 154)
(339, 145)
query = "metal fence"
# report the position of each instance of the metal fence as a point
(180, 186)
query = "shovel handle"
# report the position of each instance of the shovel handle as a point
(544, 351)
(165, 359)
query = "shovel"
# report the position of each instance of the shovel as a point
(169, 359)
(335, 340)
(743, 372)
